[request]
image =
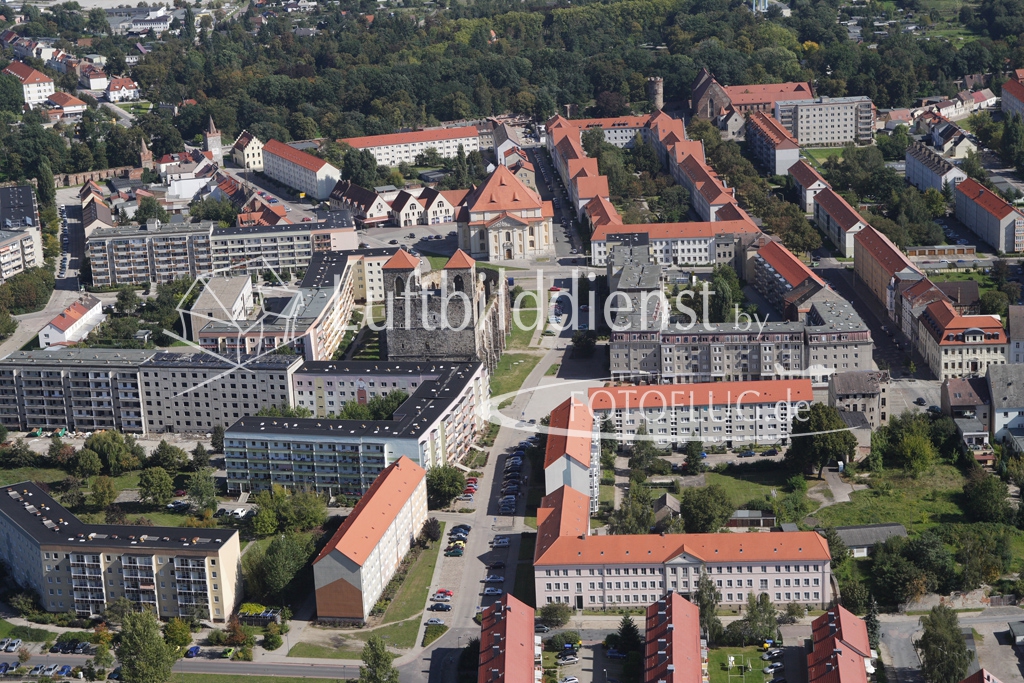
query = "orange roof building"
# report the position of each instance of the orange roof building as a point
(397, 148)
(808, 184)
(989, 216)
(778, 272)
(1013, 98)
(304, 172)
(770, 143)
(673, 652)
(877, 262)
(73, 324)
(503, 219)
(35, 85)
(672, 563)
(357, 563)
(509, 652)
(745, 98)
(837, 219)
(960, 345)
(841, 650)
(572, 455)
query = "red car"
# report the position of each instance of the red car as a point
(471, 480)
(469, 491)
(307, 219)
(444, 591)
(554, 289)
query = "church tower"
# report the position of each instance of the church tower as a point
(211, 141)
(145, 156)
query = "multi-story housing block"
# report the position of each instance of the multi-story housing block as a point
(675, 244)
(19, 251)
(73, 566)
(828, 121)
(572, 455)
(782, 278)
(35, 85)
(808, 184)
(926, 169)
(771, 144)
(957, 345)
(838, 220)
(300, 171)
(597, 572)
(674, 651)
(397, 148)
(435, 426)
(156, 252)
(355, 566)
(880, 265)
(865, 391)
(285, 246)
(1013, 98)
(989, 216)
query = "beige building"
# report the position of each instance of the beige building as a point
(828, 121)
(285, 246)
(302, 172)
(158, 252)
(866, 392)
(503, 220)
(19, 251)
(357, 563)
(957, 345)
(397, 148)
(80, 567)
(247, 152)
(222, 298)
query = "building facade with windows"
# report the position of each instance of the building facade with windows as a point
(926, 169)
(838, 220)
(957, 345)
(247, 151)
(866, 391)
(35, 85)
(355, 566)
(157, 252)
(79, 567)
(397, 148)
(572, 455)
(596, 572)
(771, 144)
(298, 170)
(74, 323)
(989, 216)
(503, 220)
(828, 121)
(808, 184)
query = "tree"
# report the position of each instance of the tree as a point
(762, 619)
(264, 522)
(705, 510)
(127, 301)
(985, 498)
(178, 633)
(819, 437)
(630, 639)
(149, 208)
(117, 609)
(432, 529)
(377, 667)
(873, 624)
(12, 95)
(156, 486)
(836, 547)
(86, 464)
(917, 453)
(694, 459)
(170, 458)
(201, 490)
(200, 457)
(45, 189)
(706, 598)
(944, 654)
(636, 516)
(144, 656)
(555, 614)
(217, 439)
(994, 302)
(19, 455)
(103, 492)
(720, 307)
(444, 483)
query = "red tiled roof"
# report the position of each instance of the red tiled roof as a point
(843, 623)
(563, 512)
(293, 155)
(838, 208)
(601, 212)
(503, 191)
(570, 435)
(984, 197)
(587, 188)
(507, 641)
(73, 313)
(402, 260)
(121, 84)
(370, 141)
(832, 663)
(882, 250)
(942, 321)
(362, 530)
(768, 127)
(805, 174)
(63, 99)
(26, 74)
(768, 93)
(787, 264)
(981, 676)
(1014, 89)
(611, 122)
(705, 181)
(460, 260)
(673, 640)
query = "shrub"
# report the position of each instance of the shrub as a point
(556, 643)
(797, 483)
(433, 632)
(272, 642)
(217, 637)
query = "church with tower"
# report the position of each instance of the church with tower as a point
(455, 314)
(212, 143)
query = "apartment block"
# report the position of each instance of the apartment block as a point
(35, 85)
(877, 263)
(957, 345)
(808, 184)
(674, 651)
(675, 244)
(1013, 98)
(79, 567)
(783, 279)
(771, 144)
(302, 172)
(156, 252)
(572, 456)
(397, 148)
(140, 391)
(285, 246)
(222, 298)
(510, 652)
(926, 169)
(839, 221)
(355, 566)
(596, 572)
(19, 251)
(989, 216)
(828, 121)
(436, 425)
(866, 391)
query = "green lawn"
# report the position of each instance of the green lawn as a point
(718, 667)
(27, 633)
(512, 370)
(606, 495)
(401, 635)
(820, 154)
(521, 334)
(323, 652)
(438, 262)
(552, 370)
(412, 596)
(20, 474)
(985, 282)
(748, 485)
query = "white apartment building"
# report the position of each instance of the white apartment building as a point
(989, 216)
(573, 452)
(355, 566)
(397, 148)
(925, 169)
(808, 184)
(19, 251)
(837, 219)
(35, 85)
(74, 323)
(828, 121)
(79, 567)
(247, 151)
(957, 345)
(285, 246)
(156, 252)
(298, 170)
(594, 572)
(673, 244)
(436, 425)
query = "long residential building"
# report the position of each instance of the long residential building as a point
(140, 391)
(828, 121)
(598, 572)
(674, 651)
(436, 425)
(572, 455)
(19, 251)
(989, 216)
(838, 220)
(879, 264)
(674, 244)
(355, 566)
(83, 568)
(771, 144)
(783, 279)
(35, 85)
(298, 170)
(398, 148)
(510, 652)
(926, 169)
(808, 184)
(840, 648)
(1012, 101)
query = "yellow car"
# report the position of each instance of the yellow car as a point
(460, 544)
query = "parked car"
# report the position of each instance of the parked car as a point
(494, 578)
(228, 653)
(457, 552)
(568, 659)
(746, 454)
(506, 511)
(36, 670)
(496, 565)
(490, 590)
(444, 591)
(466, 497)
(935, 409)
(772, 654)
(615, 654)
(500, 544)
(541, 628)
(193, 652)
(51, 669)
(65, 670)
(82, 648)
(440, 607)
(3, 668)
(13, 645)
(434, 621)
(773, 667)
(464, 527)
(570, 679)
(770, 453)
(919, 401)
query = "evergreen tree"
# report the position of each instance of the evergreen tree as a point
(873, 624)
(217, 439)
(694, 460)
(706, 598)
(45, 189)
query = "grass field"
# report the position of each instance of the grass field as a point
(915, 503)
(437, 263)
(552, 370)
(818, 155)
(522, 333)
(27, 633)
(401, 635)
(718, 665)
(748, 485)
(511, 372)
(985, 283)
(320, 652)
(412, 596)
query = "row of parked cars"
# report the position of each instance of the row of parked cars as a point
(457, 538)
(513, 480)
(67, 648)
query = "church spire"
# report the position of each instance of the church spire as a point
(211, 129)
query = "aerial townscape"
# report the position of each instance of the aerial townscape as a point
(416, 341)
